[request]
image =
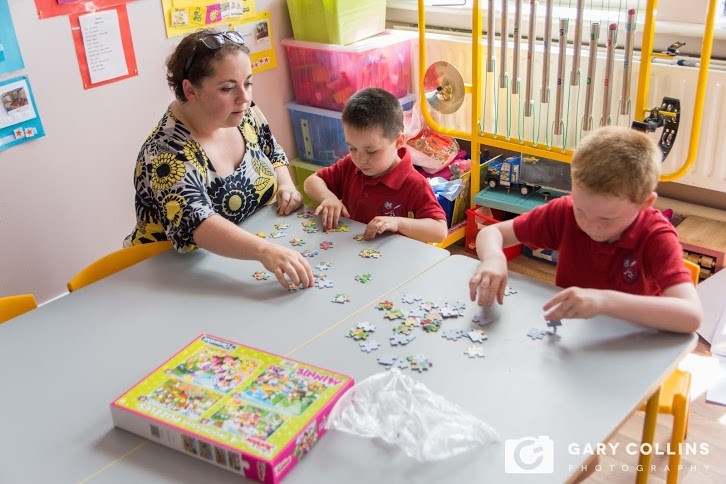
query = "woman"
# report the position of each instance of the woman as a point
(212, 161)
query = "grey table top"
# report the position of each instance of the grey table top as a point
(573, 389)
(62, 364)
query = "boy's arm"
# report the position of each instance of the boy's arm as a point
(330, 206)
(490, 278)
(678, 310)
(422, 229)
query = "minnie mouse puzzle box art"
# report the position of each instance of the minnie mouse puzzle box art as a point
(251, 412)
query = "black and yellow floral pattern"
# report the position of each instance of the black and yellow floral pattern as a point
(177, 187)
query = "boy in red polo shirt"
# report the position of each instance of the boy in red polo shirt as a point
(376, 183)
(616, 252)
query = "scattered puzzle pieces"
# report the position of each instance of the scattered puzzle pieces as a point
(452, 334)
(341, 298)
(358, 334)
(306, 214)
(419, 362)
(337, 228)
(291, 286)
(325, 245)
(401, 339)
(535, 333)
(282, 226)
(261, 275)
(324, 266)
(366, 326)
(323, 283)
(410, 298)
(370, 253)
(297, 241)
(553, 325)
(385, 305)
(359, 237)
(261, 235)
(369, 345)
(309, 252)
(393, 314)
(474, 351)
(277, 235)
(477, 336)
(481, 320)
(363, 278)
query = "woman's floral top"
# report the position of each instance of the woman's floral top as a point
(177, 187)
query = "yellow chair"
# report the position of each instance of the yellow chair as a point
(673, 398)
(12, 306)
(116, 261)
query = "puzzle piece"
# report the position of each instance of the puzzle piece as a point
(428, 305)
(449, 312)
(370, 253)
(481, 320)
(452, 334)
(261, 275)
(535, 333)
(297, 241)
(341, 298)
(291, 286)
(477, 336)
(388, 360)
(323, 283)
(402, 329)
(429, 325)
(282, 226)
(337, 228)
(358, 334)
(305, 214)
(401, 339)
(411, 322)
(369, 345)
(393, 314)
(363, 278)
(325, 245)
(553, 325)
(419, 362)
(458, 305)
(366, 326)
(358, 237)
(311, 230)
(474, 351)
(276, 235)
(509, 291)
(324, 266)
(261, 235)
(309, 253)
(410, 298)
(415, 313)
(385, 305)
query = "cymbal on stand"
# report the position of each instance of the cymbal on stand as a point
(443, 87)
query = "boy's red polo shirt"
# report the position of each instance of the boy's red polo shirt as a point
(400, 192)
(645, 260)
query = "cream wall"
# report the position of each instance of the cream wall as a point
(67, 199)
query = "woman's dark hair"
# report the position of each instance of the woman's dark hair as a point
(202, 65)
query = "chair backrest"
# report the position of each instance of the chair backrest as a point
(12, 306)
(114, 262)
(695, 270)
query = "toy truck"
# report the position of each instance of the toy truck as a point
(528, 174)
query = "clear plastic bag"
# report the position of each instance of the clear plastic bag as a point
(404, 412)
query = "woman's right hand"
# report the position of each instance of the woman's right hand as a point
(287, 265)
(331, 209)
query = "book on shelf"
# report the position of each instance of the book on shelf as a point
(246, 410)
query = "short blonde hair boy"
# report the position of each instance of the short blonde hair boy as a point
(618, 161)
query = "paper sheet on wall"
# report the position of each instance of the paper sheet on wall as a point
(257, 32)
(186, 16)
(102, 42)
(19, 119)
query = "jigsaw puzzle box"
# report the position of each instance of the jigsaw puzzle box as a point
(248, 411)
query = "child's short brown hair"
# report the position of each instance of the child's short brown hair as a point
(373, 107)
(618, 161)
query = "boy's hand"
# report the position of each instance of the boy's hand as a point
(379, 225)
(575, 302)
(288, 200)
(490, 279)
(287, 264)
(331, 209)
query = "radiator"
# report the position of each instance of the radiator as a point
(709, 170)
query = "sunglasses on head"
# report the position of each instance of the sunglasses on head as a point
(213, 41)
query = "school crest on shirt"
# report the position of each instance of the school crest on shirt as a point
(631, 269)
(392, 208)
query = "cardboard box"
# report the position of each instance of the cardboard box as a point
(248, 411)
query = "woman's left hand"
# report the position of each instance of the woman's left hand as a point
(288, 200)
